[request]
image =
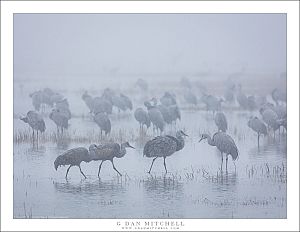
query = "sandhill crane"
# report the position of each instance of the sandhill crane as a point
(224, 143)
(270, 118)
(242, 98)
(164, 146)
(190, 97)
(102, 105)
(185, 82)
(103, 122)
(127, 102)
(174, 113)
(165, 113)
(63, 108)
(142, 117)
(37, 99)
(73, 157)
(221, 121)
(108, 152)
(119, 103)
(142, 84)
(168, 99)
(60, 119)
(278, 96)
(155, 116)
(36, 122)
(88, 99)
(258, 126)
(212, 103)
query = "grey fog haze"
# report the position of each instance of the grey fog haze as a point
(96, 44)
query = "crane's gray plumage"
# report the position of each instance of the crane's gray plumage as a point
(212, 103)
(142, 117)
(168, 99)
(102, 105)
(190, 97)
(258, 126)
(35, 121)
(88, 100)
(155, 116)
(73, 157)
(251, 102)
(165, 113)
(164, 146)
(108, 152)
(103, 122)
(126, 101)
(224, 143)
(119, 103)
(242, 99)
(278, 96)
(142, 84)
(270, 118)
(60, 119)
(221, 121)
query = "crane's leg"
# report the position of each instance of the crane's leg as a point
(152, 164)
(33, 136)
(81, 172)
(258, 139)
(68, 171)
(226, 161)
(222, 161)
(165, 164)
(37, 138)
(100, 168)
(115, 168)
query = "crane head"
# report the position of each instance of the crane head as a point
(203, 136)
(128, 145)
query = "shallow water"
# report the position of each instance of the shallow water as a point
(194, 186)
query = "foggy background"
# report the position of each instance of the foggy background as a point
(150, 44)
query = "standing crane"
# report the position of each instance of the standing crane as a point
(73, 157)
(36, 122)
(258, 126)
(164, 146)
(108, 152)
(224, 143)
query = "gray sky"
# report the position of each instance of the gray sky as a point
(68, 44)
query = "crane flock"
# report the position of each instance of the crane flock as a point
(160, 114)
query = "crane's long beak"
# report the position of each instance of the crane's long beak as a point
(131, 146)
(184, 134)
(200, 140)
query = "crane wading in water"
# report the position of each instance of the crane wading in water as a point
(224, 143)
(163, 146)
(108, 152)
(73, 157)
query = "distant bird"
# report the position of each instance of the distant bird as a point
(164, 146)
(127, 101)
(142, 117)
(190, 98)
(258, 126)
(229, 95)
(88, 99)
(165, 113)
(102, 105)
(103, 122)
(63, 107)
(185, 82)
(278, 96)
(60, 119)
(155, 116)
(251, 103)
(108, 152)
(119, 102)
(142, 84)
(168, 99)
(73, 157)
(37, 99)
(242, 98)
(224, 143)
(174, 113)
(212, 103)
(221, 121)
(56, 97)
(270, 118)
(36, 122)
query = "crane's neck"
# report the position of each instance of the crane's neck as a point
(210, 141)
(122, 150)
(180, 143)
